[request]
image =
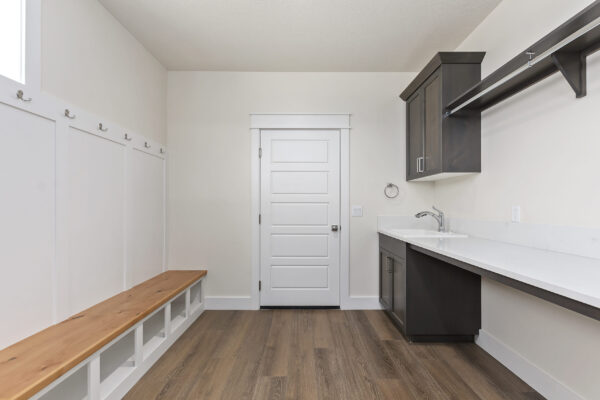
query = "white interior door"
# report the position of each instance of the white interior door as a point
(300, 210)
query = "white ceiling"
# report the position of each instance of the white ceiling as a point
(299, 35)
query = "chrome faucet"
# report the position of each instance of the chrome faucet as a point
(439, 217)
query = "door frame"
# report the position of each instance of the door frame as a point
(339, 122)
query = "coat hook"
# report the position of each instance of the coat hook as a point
(146, 145)
(531, 55)
(20, 95)
(101, 127)
(69, 115)
(127, 137)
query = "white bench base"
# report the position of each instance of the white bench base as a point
(114, 369)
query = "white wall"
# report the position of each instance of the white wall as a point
(85, 215)
(208, 204)
(90, 60)
(539, 151)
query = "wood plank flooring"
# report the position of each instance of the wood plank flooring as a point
(320, 354)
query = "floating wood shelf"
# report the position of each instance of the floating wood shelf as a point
(565, 49)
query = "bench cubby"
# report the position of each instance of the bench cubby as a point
(195, 297)
(73, 387)
(154, 332)
(117, 362)
(178, 311)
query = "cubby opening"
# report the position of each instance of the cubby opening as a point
(154, 332)
(178, 312)
(74, 387)
(195, 297)
(116, 363)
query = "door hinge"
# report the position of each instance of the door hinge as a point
(259, 218)
(259, 286)
(260, 152)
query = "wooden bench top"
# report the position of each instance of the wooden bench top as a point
(30, 365)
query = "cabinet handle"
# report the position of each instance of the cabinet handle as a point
(421, 164)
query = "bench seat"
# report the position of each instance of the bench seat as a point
(32, 364)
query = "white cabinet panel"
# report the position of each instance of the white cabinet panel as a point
(27, 223)
(145, 216)
(96, 218)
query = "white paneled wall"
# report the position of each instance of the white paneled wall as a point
(146, 207)
(96, 186)
(82, 211)
(27, 188)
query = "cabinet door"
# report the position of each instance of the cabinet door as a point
(432, 90)
(414, 134)
(399, 294)
(385, 279)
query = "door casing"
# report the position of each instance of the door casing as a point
(304, 122)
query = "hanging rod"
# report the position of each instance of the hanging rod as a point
(530, 63)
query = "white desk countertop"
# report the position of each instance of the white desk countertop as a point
(572, 276)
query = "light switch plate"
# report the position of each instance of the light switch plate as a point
(357, 211)
(516, 214)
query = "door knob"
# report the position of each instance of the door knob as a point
(335, 228)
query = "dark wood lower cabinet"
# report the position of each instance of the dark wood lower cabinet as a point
(429, 300)
(385, 280)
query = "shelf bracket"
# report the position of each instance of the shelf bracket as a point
(572, 65)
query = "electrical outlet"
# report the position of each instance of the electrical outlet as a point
(357, 211)
(516, 214)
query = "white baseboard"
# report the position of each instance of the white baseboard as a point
(361, 303)
(245, 303)
(535, 377)
(228, 303)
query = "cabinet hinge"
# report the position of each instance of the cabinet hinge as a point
(259, 218)
(259, 286)
(260, 152)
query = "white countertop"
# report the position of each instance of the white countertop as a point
(572, 276)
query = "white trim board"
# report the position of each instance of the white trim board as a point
(229, 303)
(534, 376)
(302, 121)
(362, 303)
(299, 121)
(247, 303)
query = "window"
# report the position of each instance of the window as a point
(12, 39)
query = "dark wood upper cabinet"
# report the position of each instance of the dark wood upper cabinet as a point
(439, 147)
